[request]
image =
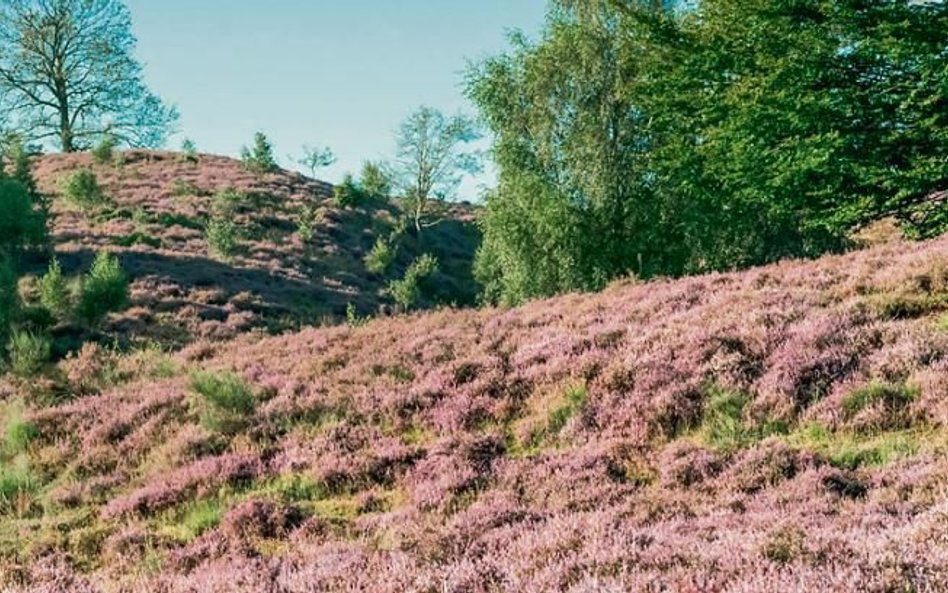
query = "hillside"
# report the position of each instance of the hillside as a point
(781, 429)
(276, 281)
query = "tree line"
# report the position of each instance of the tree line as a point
(658, 138)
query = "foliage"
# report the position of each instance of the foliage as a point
(9, 298)
(104, 152)
(375, 181)
(353, 319)
(259, 159)
(18, 433)
(306, 223)
(82, 189)
(381, 257)
(633, 140)
(221, 231)
(431, 160)
(315, 159)
(29, 352)
(407, 291)
(104, 289)
(348, 193)
(68, 69)
(22, 219)
(189, 151)
(225, 400)
(54, 292)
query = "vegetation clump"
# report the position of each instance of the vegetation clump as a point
(82, 189)
(407, 291)
(224, 401)
(103, 290)
(259, 159)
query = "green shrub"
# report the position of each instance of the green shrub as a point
(22, 221)
(9, 299)
(407, 291)
(225, 400)
(221, 235)
(17, 432)
(29, 352)
(381, 257)
(198, 517)
(374, 181)
(103, 152)
(347, 193)
(306, 225)
(103, 290)
(353, 319)
(17, 485)
(54, 292)
(189, 151)
(82, 190)
(19, 156)
(260, 159)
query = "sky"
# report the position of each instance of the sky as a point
(337, 73)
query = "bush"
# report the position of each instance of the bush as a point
(189, 151)
(104, 151)
(348, 193)
(17, 432)
(221, 235)
(381, 257)
(407, 291)
(29, 352)
(225, 400)
(9, 299)
(22, 222)
(54, 293)
(103, 290)
(375, 182)
(82, 190)
(260, 159)
(17, 484)
(305, 227)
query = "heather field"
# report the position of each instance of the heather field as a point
(779, 429)
(153, 214)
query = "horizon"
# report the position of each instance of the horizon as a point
(232, 71)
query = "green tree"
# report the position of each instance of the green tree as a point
(22, 219)
(104, 289)
(315, 159)
(375, 181)
(431, 159)
(68, 71)
(259, 159)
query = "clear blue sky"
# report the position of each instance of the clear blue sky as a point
(341, 73)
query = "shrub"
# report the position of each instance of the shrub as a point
(375, 182)
(189, 151)
(407, 290)
(381, 257)
(104, 151)
(9, 299)
(348, 193)
(22, 222)
(103, 290)
(17, 432)
(260, 159)
(82, 190)
(305, 227)
(54, 292)
(221, 235)
(19, 156)
(29, 351)
(225, 400)
(17, 484)
(353, 319)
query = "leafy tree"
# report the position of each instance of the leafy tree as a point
(407, 291)
(54, 292)
(67, 71)
(22, 220)
(375, 181)
(260, 158)
(315, 159)
(430, 158)
(9, 299)
(104, 289)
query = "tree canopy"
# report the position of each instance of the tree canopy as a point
(68, 74)
(644, 138)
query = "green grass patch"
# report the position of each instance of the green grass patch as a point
(193, 520)
(224, 400)
(18, 486)
(723, 426)
(891, 396)
(851, 450)
(17, 432)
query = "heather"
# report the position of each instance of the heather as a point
(777, 429)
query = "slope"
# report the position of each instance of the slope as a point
(780, 429)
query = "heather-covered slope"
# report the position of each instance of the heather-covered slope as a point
(782, 429)
(276, 280)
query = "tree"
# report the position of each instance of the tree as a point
(260, 158)
(430, 158)
(67, 71)
(315, 159)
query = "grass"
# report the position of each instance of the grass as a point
(225, 400)
(723, 426)
(550, 418)
(17, 432)
(29, 352)
(851, 450)
(893, 397)
(193, 520)
(17, 486)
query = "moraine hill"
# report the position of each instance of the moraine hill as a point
(783, 429)
(159, 204)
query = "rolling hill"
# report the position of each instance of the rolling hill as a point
(779, 429)
(159, 204)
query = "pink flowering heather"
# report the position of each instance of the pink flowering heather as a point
(782, 429)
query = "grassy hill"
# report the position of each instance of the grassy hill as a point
(781, 429)
(154, 218)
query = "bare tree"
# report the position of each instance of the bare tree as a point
(67, 72)
(430, 160)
